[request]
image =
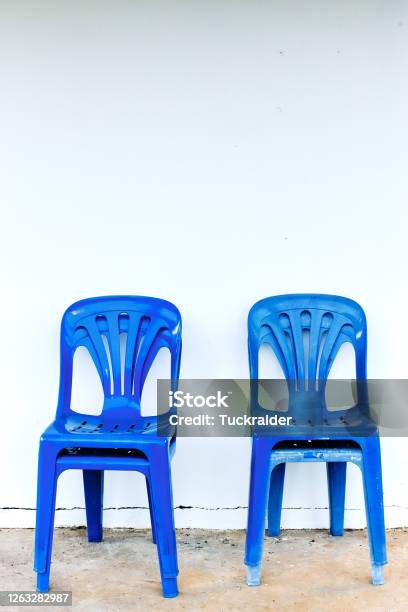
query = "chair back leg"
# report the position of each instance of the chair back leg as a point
(275, 499)
(336, 481)
(149, 498)
(93, 489)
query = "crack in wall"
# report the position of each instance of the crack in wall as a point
(182, 507)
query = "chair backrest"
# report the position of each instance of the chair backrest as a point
(97, 324)
(306, 332)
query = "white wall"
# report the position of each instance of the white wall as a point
(210, 153)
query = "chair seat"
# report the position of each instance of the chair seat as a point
(353, 422)
(97, 432)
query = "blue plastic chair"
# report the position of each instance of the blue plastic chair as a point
(305, 333)
(119, 438)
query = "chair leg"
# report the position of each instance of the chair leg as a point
(162, 507)
(275, 499)
(336, 481)
(149, 497)
(258, 497)
(93, 488)
(373, 495)
(46, 494)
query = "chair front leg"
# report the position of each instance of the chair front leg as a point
(46, 495)
(258, 496)
(373, 495)
(162, 505)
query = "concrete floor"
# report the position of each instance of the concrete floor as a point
(306, 570)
